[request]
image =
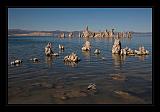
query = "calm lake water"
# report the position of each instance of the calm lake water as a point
(51, 81)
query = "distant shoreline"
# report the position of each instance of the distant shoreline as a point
(19, 32)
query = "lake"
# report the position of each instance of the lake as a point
(51, 81)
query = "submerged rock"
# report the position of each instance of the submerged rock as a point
(122, 93)
(128, 97)
(60, 94)
(43, 85)
(118, 77)
(68, 94)
(76, 93)
(63, 97)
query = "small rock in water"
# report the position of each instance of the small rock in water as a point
(61, 47)
(103, 58)
(142, 51)
(127, 51)
(118, 77)
(16, 62)
(36, 84)
(48, 50)
(63, 97)
(121, 93)
(86, 46)
(72, 58)
(97, 51)
(91, 87)
(34, 59)
(12, 63)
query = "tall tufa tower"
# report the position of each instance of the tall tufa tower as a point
(87, 28)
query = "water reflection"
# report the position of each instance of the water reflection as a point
(17, 65)
(118, 59)
(86, 39)
(61, 51)
(106, 62)
(106, 39)
(98, 55)
(48, 60)
(142, 57)
(72, 64)
(87, 54)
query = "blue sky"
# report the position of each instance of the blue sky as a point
(75, 19)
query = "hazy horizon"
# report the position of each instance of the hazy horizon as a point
(67, 31)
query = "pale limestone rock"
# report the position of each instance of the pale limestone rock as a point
(116, 49)
(62, 35)
(48, 49)
(70, 34)
(97, 51)
(142, 51)
(72, 58)
(123, 52)
(49, 52)
(91, 86)
(86, 46)
(16, 62)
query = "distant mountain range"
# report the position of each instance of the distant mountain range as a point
(19, 32)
